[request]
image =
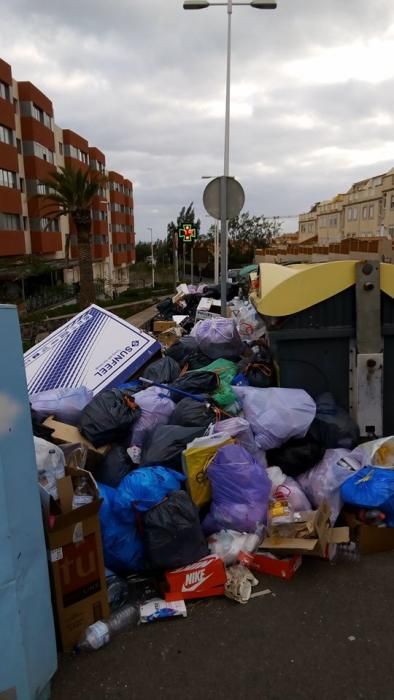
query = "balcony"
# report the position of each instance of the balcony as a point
(120, 257)
(12, 243)
(100, 251)
(46, 241)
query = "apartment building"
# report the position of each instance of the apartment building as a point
(366, 210)
(32, 146)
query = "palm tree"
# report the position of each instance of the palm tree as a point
(70, 191)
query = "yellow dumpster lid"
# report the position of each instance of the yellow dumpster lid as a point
(285, 290)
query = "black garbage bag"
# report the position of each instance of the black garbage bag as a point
(166, 443)
(182, 348)
(108, 417)
(164, 371)
(167, 309)
(114, 466)
(172, 533)
(259, 369)
(199, 383)
(192, 301)
(336, 427)
(298, 455)
(39, 430)
(193, 414)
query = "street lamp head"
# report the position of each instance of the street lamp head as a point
(195, 4)
(263, 5)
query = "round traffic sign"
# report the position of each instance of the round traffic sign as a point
(235, 197)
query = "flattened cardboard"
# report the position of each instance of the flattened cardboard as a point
(70, 434)
(95, 348)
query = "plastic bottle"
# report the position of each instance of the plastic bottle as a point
(117, 590)
(100, 633)
(82, 495)
(347, 552)
(56, 464)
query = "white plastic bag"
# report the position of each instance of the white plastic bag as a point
(378, 453)
(218, 338)
(276, 415)
(323, 482)
(277, 477)
(227, 544)
(249, 324)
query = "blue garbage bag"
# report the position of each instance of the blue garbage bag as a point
(371, 487)
(122, 545)
(143, 489)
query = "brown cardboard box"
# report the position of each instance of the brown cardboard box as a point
(169, 337)
(370, 539)
(70, 434)
(75, 560)
(317, 523)
(160, 326)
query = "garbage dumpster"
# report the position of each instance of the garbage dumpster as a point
(331, 326)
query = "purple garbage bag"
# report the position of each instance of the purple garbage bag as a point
(218, 338)
(156, 409)
(240, 491)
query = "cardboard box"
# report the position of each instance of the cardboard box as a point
(75, 560)
(370, 539)
(284, 567)
(322, 540)
(204, 578)
(208, 308)
(95, 349)
(160, 326)
(169, 337)
(64, 433)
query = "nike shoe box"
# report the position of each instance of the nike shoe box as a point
(202, 579)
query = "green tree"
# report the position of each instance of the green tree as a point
(142, 251)
(70, 191)
(246, 233)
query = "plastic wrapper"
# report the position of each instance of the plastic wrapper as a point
(225, 371)
(378, 453)
(108, 417)
(172, 533)
(240, 491)
(276, 415)
(323, 482)
(156, 409)
(239, 584)
(218, 338)
(371, 487)
(64, 404)
(227, 544)
(165, 445)
(143, 489)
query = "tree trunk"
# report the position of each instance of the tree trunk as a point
(87, 294)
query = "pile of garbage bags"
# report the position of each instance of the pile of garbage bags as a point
(204, 445)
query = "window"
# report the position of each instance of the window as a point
(10, 222)
(60, 148)
(365, 212)
(392, 201)
(22, 184)
(41, 152)
(36, 113)
(41, 116)
(391, 231)
(49, 224)
(4, 91)
(25, 223)
(19, 145)
(6, 135)
(371, 211)
(350, 214)
(7, 178)
(15, 105)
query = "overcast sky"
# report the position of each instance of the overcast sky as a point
(312, 94)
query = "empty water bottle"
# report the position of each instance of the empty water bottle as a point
(100, 633)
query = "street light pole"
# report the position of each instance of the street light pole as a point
(152, 258)
(200, 5)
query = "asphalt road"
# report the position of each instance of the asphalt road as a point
(293, 645)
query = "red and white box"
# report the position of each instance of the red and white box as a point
(284, 567)
(202, 579)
